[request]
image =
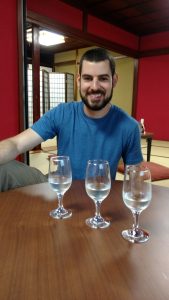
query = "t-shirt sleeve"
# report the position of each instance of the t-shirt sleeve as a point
(132, 152)
(48, 125)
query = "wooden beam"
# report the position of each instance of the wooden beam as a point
(135, 88)
(23, 105)
(36, 75)
(78, 34)
(36, 72)
(65, 63)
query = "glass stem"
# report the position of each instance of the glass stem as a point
(97, 213)
(136, 220)
(60, 200)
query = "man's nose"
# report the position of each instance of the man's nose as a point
(95, 84)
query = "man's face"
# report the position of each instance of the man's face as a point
(95, 84)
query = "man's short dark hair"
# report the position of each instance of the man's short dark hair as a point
(97, 55)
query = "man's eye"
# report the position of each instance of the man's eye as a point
(87, 78)
(103, 78)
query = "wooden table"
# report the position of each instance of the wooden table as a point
(148, 136)
(46, 259)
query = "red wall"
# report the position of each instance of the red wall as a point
(153, 95)
(112, 33)
(9, 122)
(154, 41)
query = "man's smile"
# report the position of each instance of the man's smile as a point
(95, 96)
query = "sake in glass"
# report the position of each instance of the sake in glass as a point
(137, 194)
(60, 179)
(97, 184)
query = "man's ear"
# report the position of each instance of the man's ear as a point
(115, 79)
(78, 80)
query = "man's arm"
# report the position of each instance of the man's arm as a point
(12, 147)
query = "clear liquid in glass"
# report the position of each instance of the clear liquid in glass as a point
(60, 185)
(137, 202)
(97, 192)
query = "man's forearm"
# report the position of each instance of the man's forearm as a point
(18, 144)
(8, 150)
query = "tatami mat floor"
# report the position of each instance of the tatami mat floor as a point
(159, 154)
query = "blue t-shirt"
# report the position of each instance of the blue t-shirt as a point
(82, 138)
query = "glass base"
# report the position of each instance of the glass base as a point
(97, 222)
(135, 236)
(60, 213)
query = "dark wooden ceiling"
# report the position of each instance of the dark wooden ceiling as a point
(136, 16)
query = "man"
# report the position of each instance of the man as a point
(89, 129)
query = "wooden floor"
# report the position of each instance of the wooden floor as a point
(159, 154)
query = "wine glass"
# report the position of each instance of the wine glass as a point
(60, 179)
(97, 184)
(137, 194)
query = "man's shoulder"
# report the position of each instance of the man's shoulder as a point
(122, 112)
(118, 110)
(124, 116)
(65, 107)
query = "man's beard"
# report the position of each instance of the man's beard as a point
(97, 106)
